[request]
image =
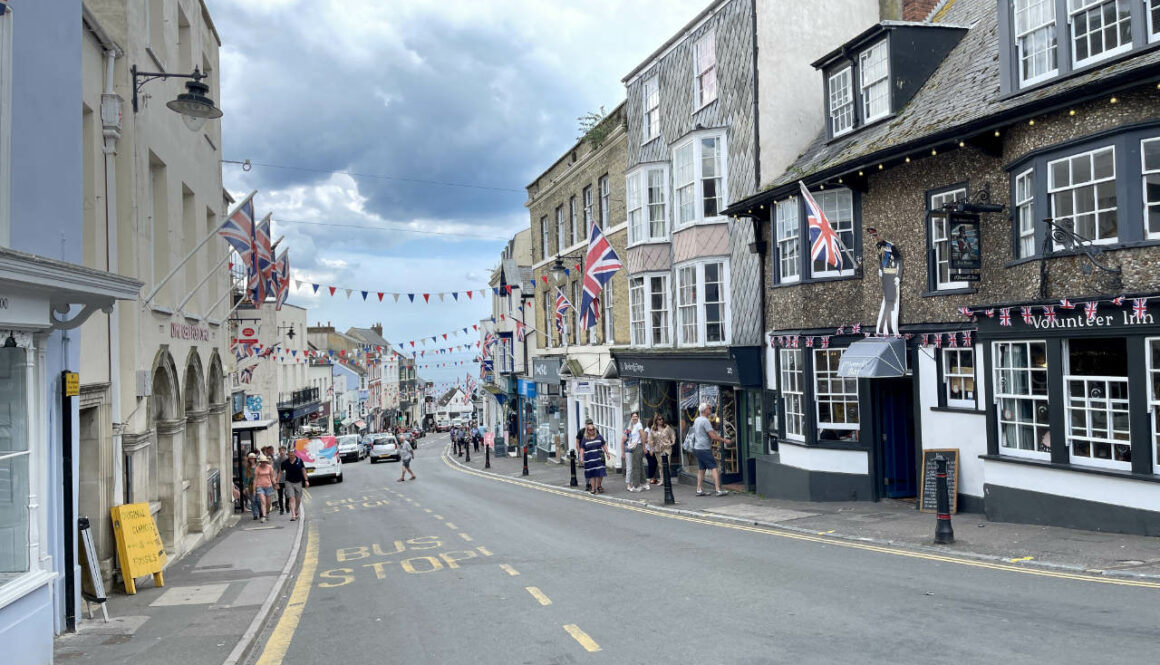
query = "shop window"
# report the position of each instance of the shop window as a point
(1099, 29)
(14, 461)
(940, 240)
(836, 398)
(604, 409)
(793, 393)
(1150, 158)
(1096, 386)
(838, 207)
(1035, 40)
(1021, 398)
(1154, 398)
(958, 378)
(788, 241)
(1083, 194)
(1025, 214)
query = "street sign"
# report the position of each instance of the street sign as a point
(72, 384)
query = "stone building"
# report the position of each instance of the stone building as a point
(1010, 163)
(574, 376)
(512, 323)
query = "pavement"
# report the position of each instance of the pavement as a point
(890, 523)
(212, 607)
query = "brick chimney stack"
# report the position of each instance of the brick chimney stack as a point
(378, 328)
(907, 10)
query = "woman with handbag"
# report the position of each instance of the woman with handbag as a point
(594, 449)
(634, 440)
(660, 440)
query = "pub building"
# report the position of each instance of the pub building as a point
(993, 182)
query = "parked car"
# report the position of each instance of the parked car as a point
(350, 448)
(417, 433)
(384, 447)
(320, 455)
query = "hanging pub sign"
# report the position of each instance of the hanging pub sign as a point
(964, 242)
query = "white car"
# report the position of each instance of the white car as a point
(384, 446)
(350, 449)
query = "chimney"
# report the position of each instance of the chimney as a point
(378, 328)
(907, 10)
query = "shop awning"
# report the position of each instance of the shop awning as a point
(874, 358)
(361, 424)
(243, 425)
(347, 421)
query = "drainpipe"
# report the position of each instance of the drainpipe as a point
(111, 129)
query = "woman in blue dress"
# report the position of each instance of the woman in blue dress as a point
(594, 449)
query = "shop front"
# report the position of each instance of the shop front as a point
(675, 384)
(1073, 423)
(522, 421)
(551, 413)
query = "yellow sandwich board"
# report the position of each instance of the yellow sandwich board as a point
(139, 545)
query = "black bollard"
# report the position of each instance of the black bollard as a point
(943, 533)
(572, 463)
(487, 457)
(467, 449)
(525, 471)
(669, 499)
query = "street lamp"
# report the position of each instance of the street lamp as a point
(559, 272)
(194, 104)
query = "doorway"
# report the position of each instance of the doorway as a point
(897, 458)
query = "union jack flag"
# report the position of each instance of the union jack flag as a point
(238, 228)
(966, 311)
(260, 264)
(840, 331)
(1090, 308)
(990, 313)
(1005, 316)
(1118, 301)
(485, 348)
(600, 264)
(1049, 313)
(247, 374)
(809, 342)
(562, 306)
(280, 279)
(1139, 307)
(521, 331)
(825, 244)
(826, 342)
(953, 338)
(856, 328)
(938, 341)
(966, 338)
(1066, 304)
(925, 339)
(1027, 317)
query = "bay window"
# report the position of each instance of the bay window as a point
(705, 69)
(1096, 399)
(1082, 189)
(838, 207)
(874, 71)
(648, 306)
(1035, 40)
(1021, 398)
(700, 172)
(940, 240)
(647, 189)
(637, 319)
(793, 393)
(651, 99)
(634, 203)
(841, 92)
(1099, 29)
(788, 241)
(836, 398)
(15, 457)
(702, 306)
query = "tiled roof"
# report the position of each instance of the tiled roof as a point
(370, 337)
(962, 93)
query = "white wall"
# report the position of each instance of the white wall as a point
(946, 429)
(824, 459)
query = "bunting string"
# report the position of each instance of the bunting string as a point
(370, 295)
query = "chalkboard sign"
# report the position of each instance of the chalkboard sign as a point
(139, 545)
(928, 500)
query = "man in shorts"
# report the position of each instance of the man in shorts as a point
(703, 437)
(405, 456)
(293, 474)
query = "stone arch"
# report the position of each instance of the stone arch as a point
(166, 415)
(193, 452)
(218, 435)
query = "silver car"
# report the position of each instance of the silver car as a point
(384, 447)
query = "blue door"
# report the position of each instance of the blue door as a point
(899, 459)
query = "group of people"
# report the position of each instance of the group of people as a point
(467, 435)
(642, 448)
(274, 478)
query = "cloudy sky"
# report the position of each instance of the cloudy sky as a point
(392, 139)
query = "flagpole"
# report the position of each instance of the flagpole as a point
(160, 285)
(205, 279)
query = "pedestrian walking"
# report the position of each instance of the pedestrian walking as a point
(580, 455)
(660, 441)
(248, 483)
(703, 437)
(633, 443)
(278, 459)
(264, 485)
(595, 451)
(293, 474)
(406, 456)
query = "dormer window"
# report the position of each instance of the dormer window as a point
(841, 102)
(1099, 29)
(1035, 39)
(874, 69)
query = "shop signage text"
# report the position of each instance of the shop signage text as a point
(546, 370)
(1124, 317)
(189, 331)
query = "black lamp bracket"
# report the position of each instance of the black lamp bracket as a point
(141, 78)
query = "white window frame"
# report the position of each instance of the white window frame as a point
(1153, 401)
(33, 377)
(868, 89)
(823, 199)
(698, 306)
(642, 314)
(826, 378)
(793, 397)
(560, 246)
(605, 201)
(1025, 214)
(651, 111)
(634, 206)
(546, 237)
(704, 71)
(841, 118)
(574, 313)
(606, 302)
(1071, 188)
(1076, 7)
(641, 208)
(950, 377)
(5, 125)
(577, 232)
(1144, 173)
(788, 229)
(1087, 406)
(1032, 34)
(940, 237)
(1036, 399)
(694, 188)
(1151, 10)
(587, 209)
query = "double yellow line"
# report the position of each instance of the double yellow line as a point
(781, 533)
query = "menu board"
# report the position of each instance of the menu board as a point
(928, 499)
(139, 545)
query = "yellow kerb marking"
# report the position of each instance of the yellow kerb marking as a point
(1022, 558)
(465, 537)
(279, 641)
(426, 510)
(582, 637)
(451, 526)
(438, 517)
(539, 595)
(509, 570)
